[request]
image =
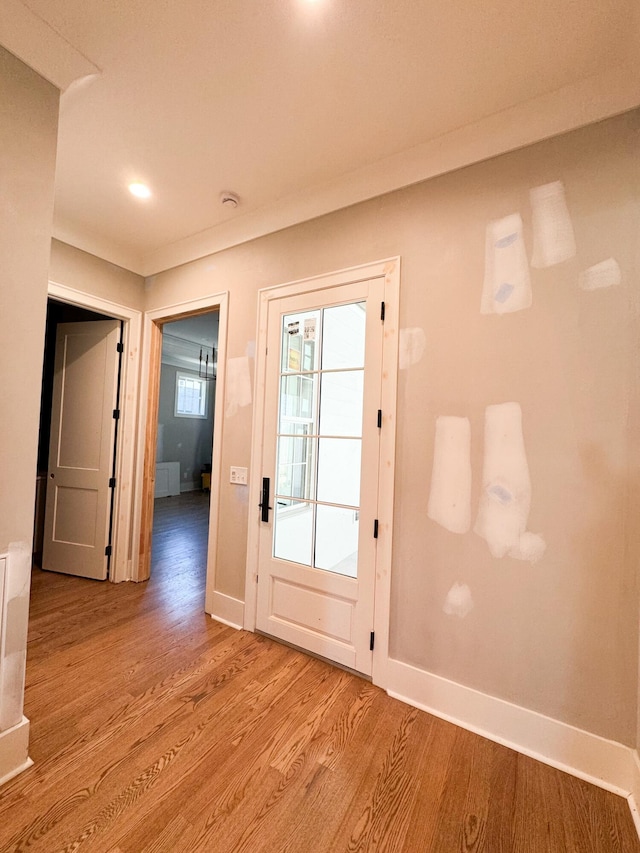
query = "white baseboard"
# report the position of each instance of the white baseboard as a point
(634, 796)
(228, 610)
(605, 763)
(14, 751)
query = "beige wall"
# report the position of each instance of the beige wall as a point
(82, 271)
(28, 129)
(558, 636)
(29, 113)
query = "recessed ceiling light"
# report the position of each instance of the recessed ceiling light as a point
(140, 190)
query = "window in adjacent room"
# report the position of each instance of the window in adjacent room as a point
(191, 396)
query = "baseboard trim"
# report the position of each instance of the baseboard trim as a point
(605, 763)
(634, 796)
(228, 610)
(14, 751)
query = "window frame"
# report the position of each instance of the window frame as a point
(185, 374)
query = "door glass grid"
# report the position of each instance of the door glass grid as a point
(319, 440)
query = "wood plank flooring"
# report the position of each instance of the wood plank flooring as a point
(156, 729)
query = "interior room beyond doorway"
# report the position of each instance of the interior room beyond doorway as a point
(184, 444)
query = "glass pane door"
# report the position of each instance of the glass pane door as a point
(319, 438)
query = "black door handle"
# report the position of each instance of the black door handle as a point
(264, 504)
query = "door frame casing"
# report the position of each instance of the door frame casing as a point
(122, 560)
(389, 270)
(148, 423)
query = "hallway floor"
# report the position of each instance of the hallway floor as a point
(155, 728)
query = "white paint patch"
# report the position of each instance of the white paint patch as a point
(530, 547)
(507, 283)
(237, 385)
(411, 346)
(450, 495)
(553, 237)
(458, 601)
(250, 349)
(506, 487)
(605, 274)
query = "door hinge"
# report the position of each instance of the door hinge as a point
(119, 347)
(371, 640)
(116, 414)
(112, 482)
(375, 529)
(379, 418)
(107, 551)
(382, 311)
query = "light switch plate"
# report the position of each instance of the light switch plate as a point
(238, 476)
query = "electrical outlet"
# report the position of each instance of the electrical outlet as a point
(238, 476)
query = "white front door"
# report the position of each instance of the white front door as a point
(78, 502)
(320, 458)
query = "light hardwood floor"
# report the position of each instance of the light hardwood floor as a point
(155, 728)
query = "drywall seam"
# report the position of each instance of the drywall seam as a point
(227, 609)
(608, 764)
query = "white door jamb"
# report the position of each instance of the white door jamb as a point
(123, 563)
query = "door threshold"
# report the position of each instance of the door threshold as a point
(314, 655)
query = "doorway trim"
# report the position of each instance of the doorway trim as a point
(148, 429)
(388, 269)
(122, 560)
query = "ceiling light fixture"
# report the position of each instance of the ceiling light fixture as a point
(139, 190)
(229, 200)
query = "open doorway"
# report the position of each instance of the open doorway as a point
(184, 447)
(74, 517)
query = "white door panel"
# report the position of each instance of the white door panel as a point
(317, 551)
(81, 449)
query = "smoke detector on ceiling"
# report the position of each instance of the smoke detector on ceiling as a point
(229, 200)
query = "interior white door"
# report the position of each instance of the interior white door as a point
(78, 501)
(317, 545)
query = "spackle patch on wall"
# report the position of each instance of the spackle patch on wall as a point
(458, 601)
(237, 385)
(411, 346)
(507, 283)
(505, 500)
(553, 237)
(605, 274)
(450, 495)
